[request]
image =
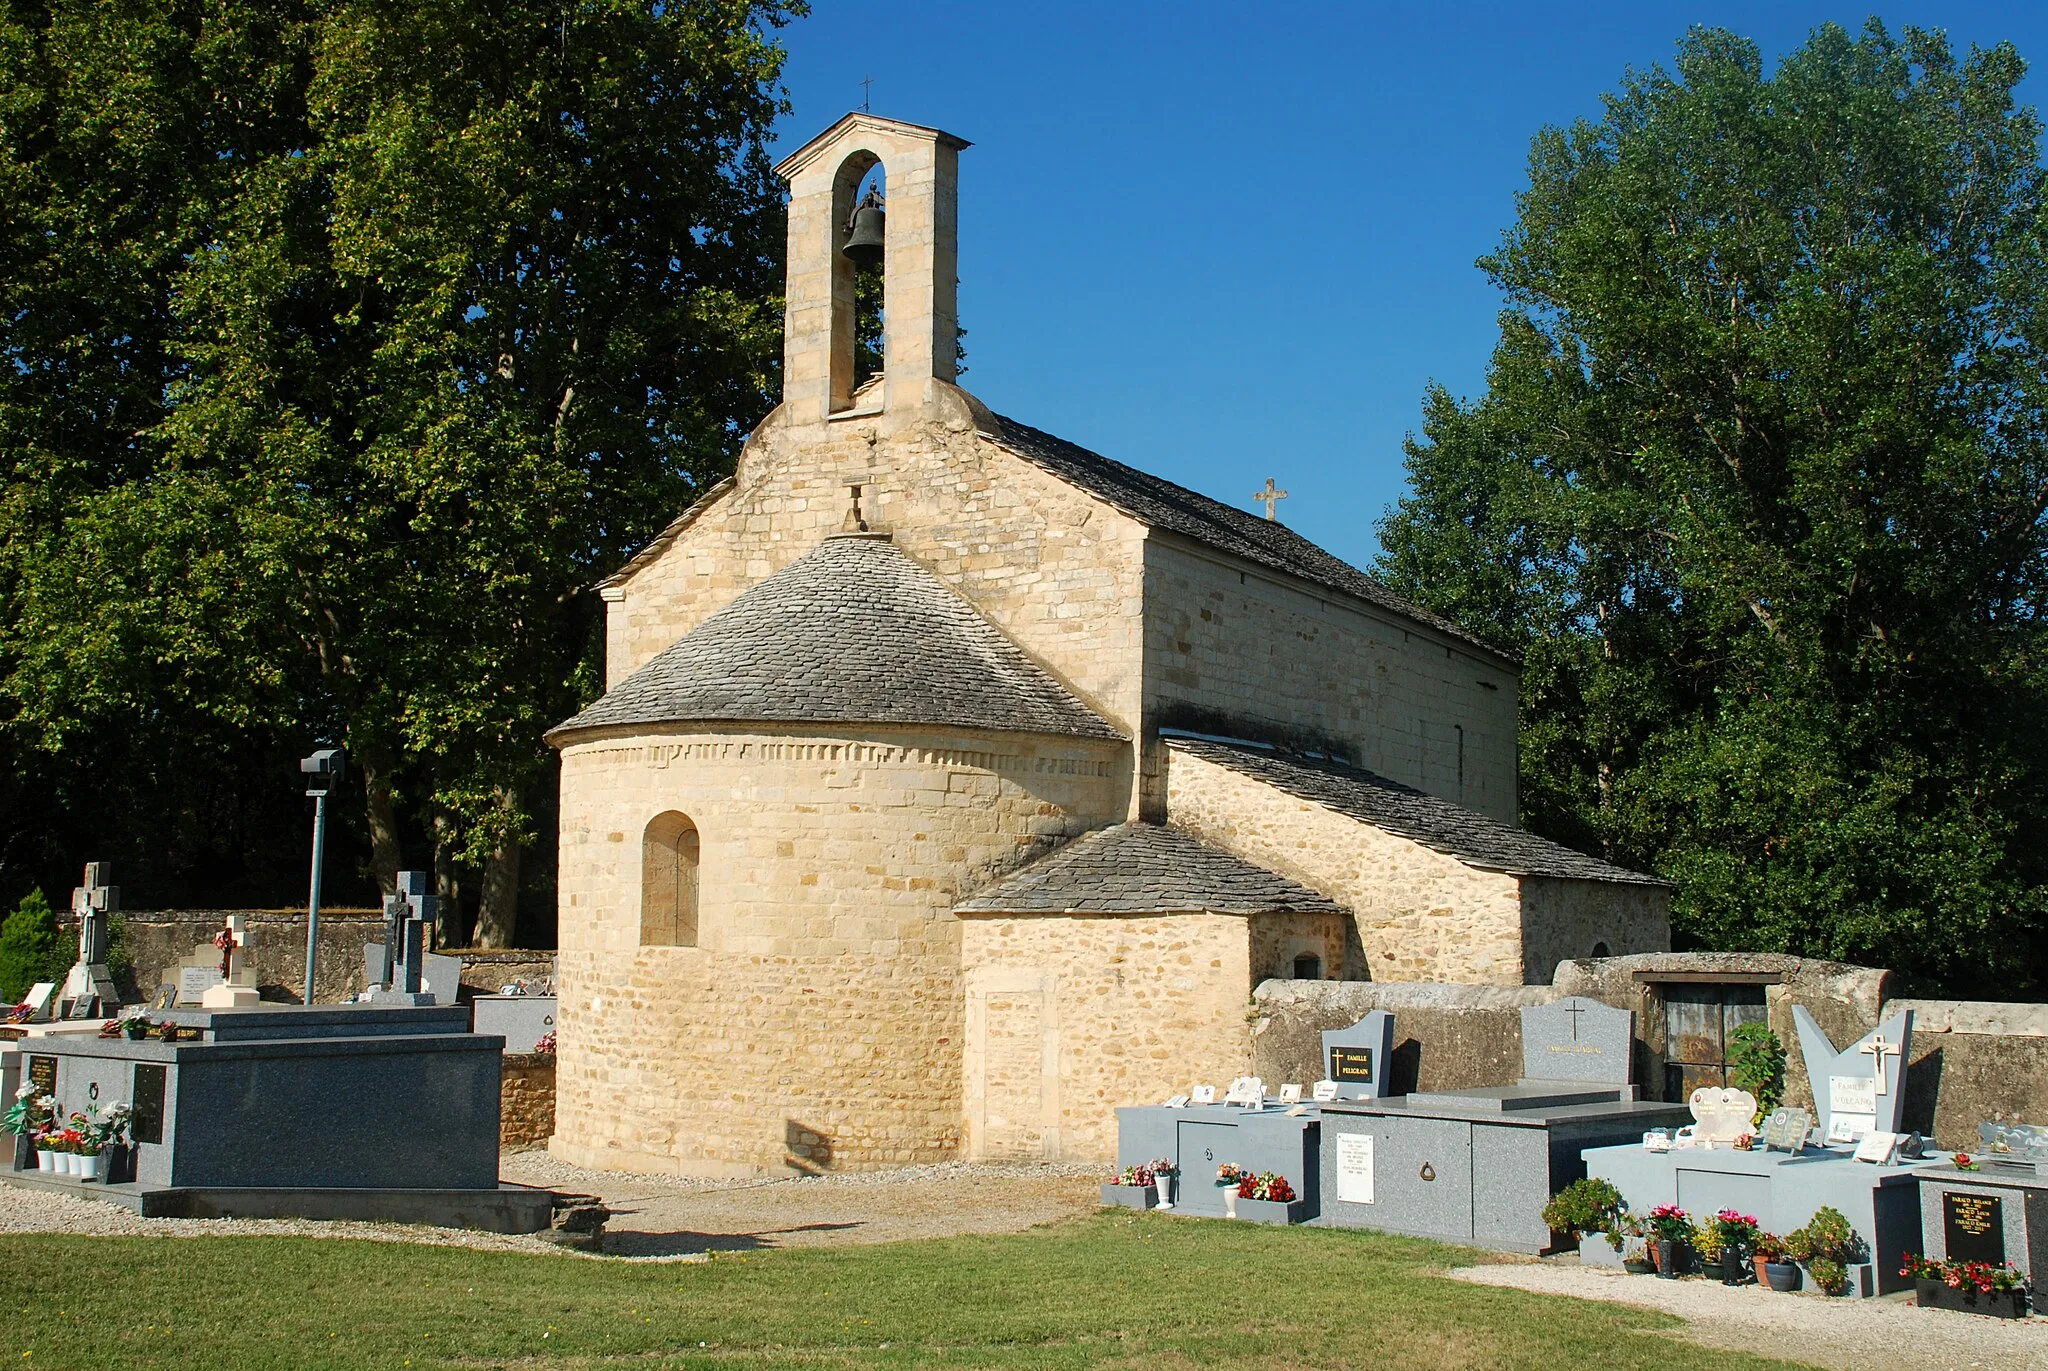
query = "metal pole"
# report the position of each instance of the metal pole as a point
(313, 898)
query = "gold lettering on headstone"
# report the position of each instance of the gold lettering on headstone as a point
(1974, 1213)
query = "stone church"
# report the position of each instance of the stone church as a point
(955, 784)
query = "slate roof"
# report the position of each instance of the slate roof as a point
(1160, 503)
(853, 631)
(1453, 830)
(1144, 869)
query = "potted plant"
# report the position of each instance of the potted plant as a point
(1268, 1198)
(1826, 1246)
(1163, 1172)
(1131, 1188)
(1773, 1268)
(1587, 1205)
(1756, 1063)
(106, 1137)
(1229, 1176)
(1735, 1236)
(1670, 1235)
(1971, 1287)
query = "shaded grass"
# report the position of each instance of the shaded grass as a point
(1116, 1290)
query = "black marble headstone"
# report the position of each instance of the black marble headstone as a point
(1973, 1228)
(146, 1124)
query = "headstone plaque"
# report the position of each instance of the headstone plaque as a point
(42, 1073)
(1204, 1094)
(1352, 1064)
(1973, 1227)
(195, 981)
(38, 1000)
(1324, 1091)
(1577, 1039)
(1249, 1091)
(1356, 1057)
(1721, 1115)
(1786, 1129)
(1354, 1168)
(1877, 1147)
(146, 1124)
(1290, 1094)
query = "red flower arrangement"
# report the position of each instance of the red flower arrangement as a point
(1979, 1276)
(1266, 1185)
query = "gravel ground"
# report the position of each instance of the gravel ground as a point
(1844, 1335)
(670, 1217)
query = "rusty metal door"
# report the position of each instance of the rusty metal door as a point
(1698, 1022)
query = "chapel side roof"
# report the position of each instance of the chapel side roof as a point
(1159, 503)
(853, 631)
(1436, 823)
(1144, 869)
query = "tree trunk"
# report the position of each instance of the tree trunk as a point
(497, 911)
(447, 885)
(386, 859)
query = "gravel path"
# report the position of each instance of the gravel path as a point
(1844, 1335)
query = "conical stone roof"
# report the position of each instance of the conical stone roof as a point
(1142, 868)
(853, 632)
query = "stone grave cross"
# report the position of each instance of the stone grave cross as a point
(233, 934)
(400, 967)
(1270, 497)
(89, 989)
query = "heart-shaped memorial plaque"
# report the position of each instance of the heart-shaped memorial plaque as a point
(1722, 1115)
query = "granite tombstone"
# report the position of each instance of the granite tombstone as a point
(1357, 1058)
(1861, 1087)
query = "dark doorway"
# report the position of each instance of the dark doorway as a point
(1698, 1022)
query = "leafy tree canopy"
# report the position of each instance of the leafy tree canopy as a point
(1757, 487)
(343, 344)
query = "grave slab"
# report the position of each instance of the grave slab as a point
(1988, 1216)
(1199, 1138)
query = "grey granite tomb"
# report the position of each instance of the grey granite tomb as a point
(1988, 1215)
(351, 1111)
(1477, 1166)
(1357, 1058)
(1199, 1138)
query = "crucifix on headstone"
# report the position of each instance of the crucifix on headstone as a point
(233, 934)
(1875, 1049)
(89, 989)
(1271, 498)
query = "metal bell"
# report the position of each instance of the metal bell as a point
(864, 242)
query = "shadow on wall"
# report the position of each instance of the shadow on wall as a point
(809, 1151)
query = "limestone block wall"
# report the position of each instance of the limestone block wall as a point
(1059, 571)
(1277, 939)
(818, 1023)
(1237, 652)
(526, 1099)
(1419, 915)
(1564, 919)
(1446, 1037)
(1071, 1016)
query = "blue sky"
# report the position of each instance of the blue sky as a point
(1226, 241)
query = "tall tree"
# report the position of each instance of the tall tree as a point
(1758, 489)
(491, 304)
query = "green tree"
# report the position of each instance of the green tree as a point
(475, 299)
(30, 950)
(1757, 489)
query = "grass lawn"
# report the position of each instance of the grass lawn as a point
(1111, 1290)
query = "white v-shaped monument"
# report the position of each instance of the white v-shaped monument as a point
(1863, 1085)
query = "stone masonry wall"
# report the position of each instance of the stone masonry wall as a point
(1070, 1016)
(1563, 920)
(1233, 651)
(1059, 571)
(1446, 1037)
(824, 1000)
(1420, 916)
(526, 1100)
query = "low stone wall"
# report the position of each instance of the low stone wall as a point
(1973, 1062)
(526, 1106)
(1446, 1037)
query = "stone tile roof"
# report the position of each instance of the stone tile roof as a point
(1160, 503)
(853, 631)
(1453, 830)
(1144, 869)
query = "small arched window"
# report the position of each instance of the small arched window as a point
(1600, 950)
(668, 882)
(1308, 967)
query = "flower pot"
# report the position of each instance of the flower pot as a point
(88, 1166)
(1165, 1188)
(1782, 1277)
(67, 1163)
(1230, 1203)
(46, 1160)
(1734, 1271)
(1638, 1266)
(1671, 1258)
(1128, 1196)
(1998, 1304)
(1271, 1211)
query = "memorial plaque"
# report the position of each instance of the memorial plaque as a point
(1786, 1129)
(1351, 1064)
(146, 1124)
(42, 1073)
(1973, 1228)
(195, 981)
(1324, 1091)
(1853, 1094)
(1354, 1168)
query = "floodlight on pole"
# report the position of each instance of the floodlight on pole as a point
(324, 771)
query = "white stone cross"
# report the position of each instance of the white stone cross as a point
(1271, 498)
(233, 934)
(1875, 1050)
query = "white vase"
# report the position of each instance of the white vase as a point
(1230, 1203)
(46, 1160)
(89, 1166)
(1165, 1184)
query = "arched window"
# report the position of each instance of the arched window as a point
(859, 282)
(1308, 967)
(1600, 950)
(668, 882)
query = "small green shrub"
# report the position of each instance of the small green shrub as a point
(1756, 1063)
(1590, 1205)
(1829, 1274)
(30, 949)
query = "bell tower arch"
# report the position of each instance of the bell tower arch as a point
(920, 263)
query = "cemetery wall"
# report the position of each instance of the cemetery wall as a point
(1420, 915)
(1057, 570)
(1446, 1037)
(818, 1022)
(1565, 919)
(1232, 651)
(526, 1103)
(1974, 1062)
